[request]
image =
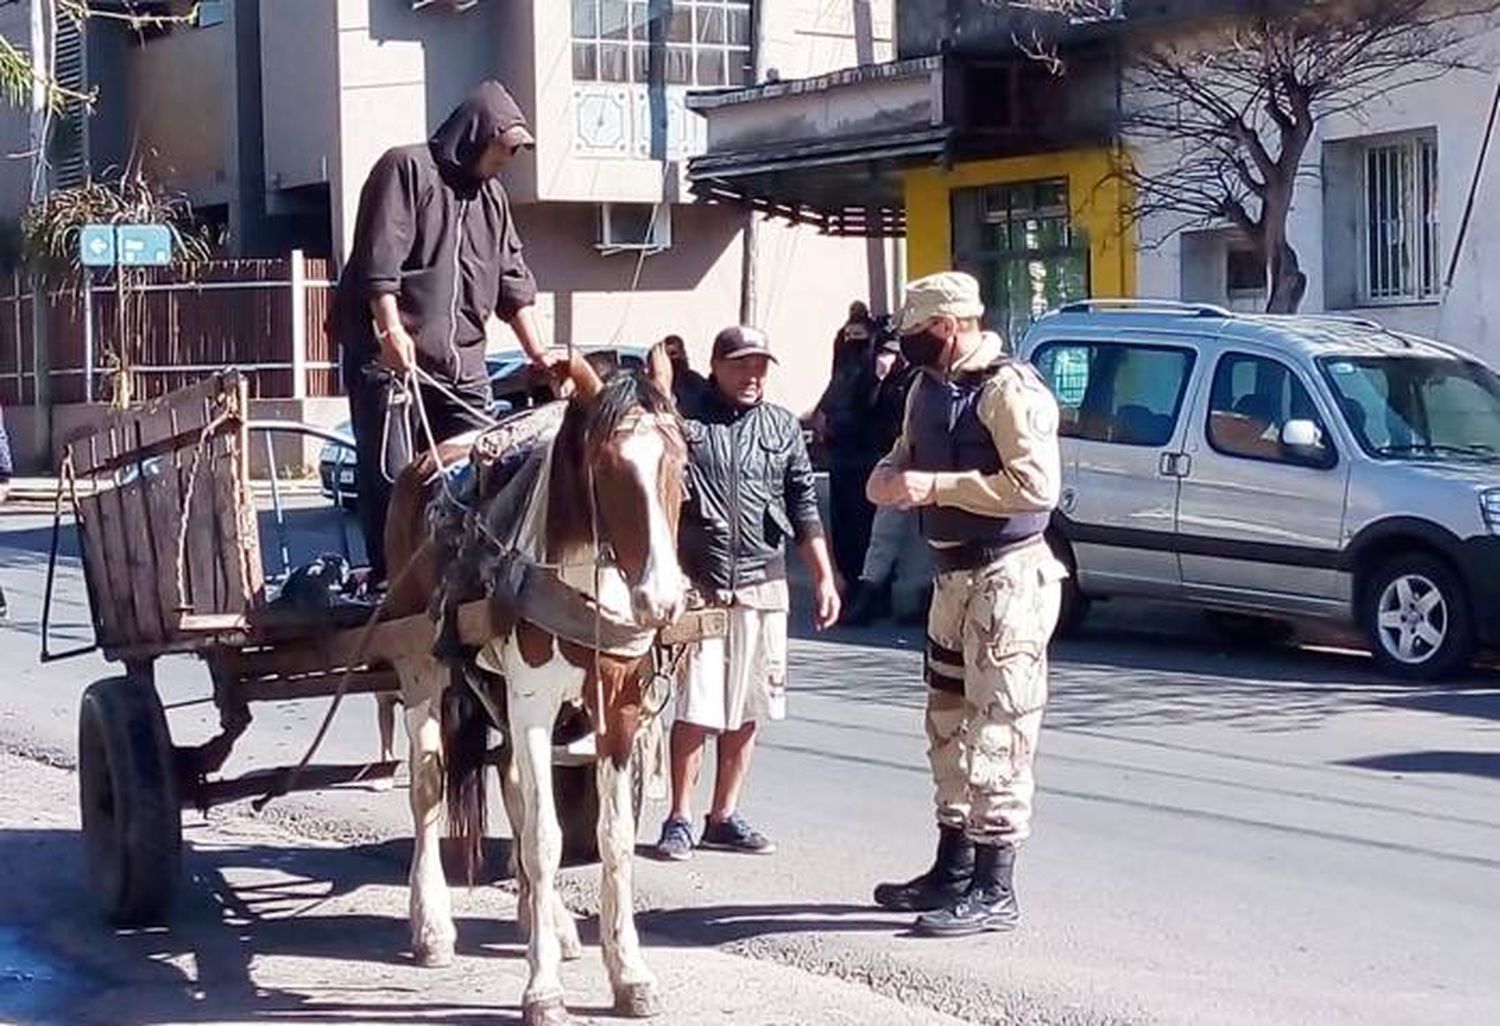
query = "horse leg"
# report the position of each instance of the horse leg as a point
(385, 715)
(634, 985)
(566, 925)
(515, 811)
(432, 930)
(532, 713)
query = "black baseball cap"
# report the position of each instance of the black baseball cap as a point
(740, 341)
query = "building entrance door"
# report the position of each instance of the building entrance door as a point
(1019, 241)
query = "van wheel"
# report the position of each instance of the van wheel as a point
(1416, 614)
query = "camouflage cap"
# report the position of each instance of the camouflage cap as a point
(948, 293)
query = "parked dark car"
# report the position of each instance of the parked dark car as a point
(514, 384)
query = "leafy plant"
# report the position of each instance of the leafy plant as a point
(50, 226)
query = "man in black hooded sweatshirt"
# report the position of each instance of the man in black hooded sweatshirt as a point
(435, 253)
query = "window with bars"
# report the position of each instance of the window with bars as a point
(1399, 221)
(706, 42)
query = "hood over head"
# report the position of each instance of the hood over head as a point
(461, 139)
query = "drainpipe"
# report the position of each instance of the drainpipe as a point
(42, 32)
(875, 245)
(750, 234)
(1484, 152)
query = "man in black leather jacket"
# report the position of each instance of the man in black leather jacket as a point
(750, 489)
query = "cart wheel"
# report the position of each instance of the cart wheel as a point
(127, 788)
(576, 795)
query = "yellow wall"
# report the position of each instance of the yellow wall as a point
(1094, 193)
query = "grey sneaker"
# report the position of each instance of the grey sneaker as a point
(676, 841)
(735, 834)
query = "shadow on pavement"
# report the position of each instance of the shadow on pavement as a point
(1468, 764)
(1147, 667)
(199, 968)
(1480, 702)
(726, 924)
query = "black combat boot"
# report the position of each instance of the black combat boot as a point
(988, 905)
(941, 885)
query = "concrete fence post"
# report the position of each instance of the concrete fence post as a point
(299, 324)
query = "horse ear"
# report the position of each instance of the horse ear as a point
(659, 368)
(581, 374)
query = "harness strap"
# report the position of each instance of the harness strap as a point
(523, 590)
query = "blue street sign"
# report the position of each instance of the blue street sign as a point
(125, 245)
(144, 245)
(96, 245)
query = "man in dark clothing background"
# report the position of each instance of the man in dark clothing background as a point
(435, 253)
(688, 386)
(894, 556)
(844, 419)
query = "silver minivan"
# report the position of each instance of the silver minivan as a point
(1284, 468)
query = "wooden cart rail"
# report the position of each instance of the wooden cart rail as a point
(170, 543)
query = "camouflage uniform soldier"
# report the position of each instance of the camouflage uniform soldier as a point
(978, 457)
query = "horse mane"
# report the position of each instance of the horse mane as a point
(588, 424)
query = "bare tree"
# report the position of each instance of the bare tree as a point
(1221, 120)
(1039, 21)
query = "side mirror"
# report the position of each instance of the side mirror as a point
(1303, 439)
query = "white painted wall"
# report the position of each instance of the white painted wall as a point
(299, 91)
(1457, 107)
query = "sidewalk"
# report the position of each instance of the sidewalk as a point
(275, 926)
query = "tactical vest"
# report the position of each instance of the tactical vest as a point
(947, 436)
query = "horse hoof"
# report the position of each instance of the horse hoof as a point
(433, 956)
(571, 947)
(545, 1012)
(638, 1001)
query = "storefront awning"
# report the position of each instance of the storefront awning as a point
(827, 151)
(815, 182)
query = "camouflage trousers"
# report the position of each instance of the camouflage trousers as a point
(987, 637)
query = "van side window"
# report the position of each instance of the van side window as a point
(1253, 401)
(1117, 392)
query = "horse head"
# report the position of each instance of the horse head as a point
(617, 483)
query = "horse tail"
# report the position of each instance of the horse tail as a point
(465, 744)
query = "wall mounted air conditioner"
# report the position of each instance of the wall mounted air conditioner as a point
(634, 227)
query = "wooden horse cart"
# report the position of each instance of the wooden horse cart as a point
(171, 555)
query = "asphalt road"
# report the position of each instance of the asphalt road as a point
(1222, 836)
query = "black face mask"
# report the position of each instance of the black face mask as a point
(923, 348)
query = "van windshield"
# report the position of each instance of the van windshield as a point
(1418, 407)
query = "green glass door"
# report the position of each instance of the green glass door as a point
(1018, 240)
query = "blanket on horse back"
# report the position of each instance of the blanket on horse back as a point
(489, 528)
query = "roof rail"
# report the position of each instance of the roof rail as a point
(1145, 306)
(1349, 319)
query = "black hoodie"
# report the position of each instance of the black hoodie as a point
(440, 240)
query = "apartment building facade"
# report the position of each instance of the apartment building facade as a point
(268, 115)
(988, 161)
(1395, 220)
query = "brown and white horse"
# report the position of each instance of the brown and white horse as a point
(603, 517)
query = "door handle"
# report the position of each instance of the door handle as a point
(1176, 464)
